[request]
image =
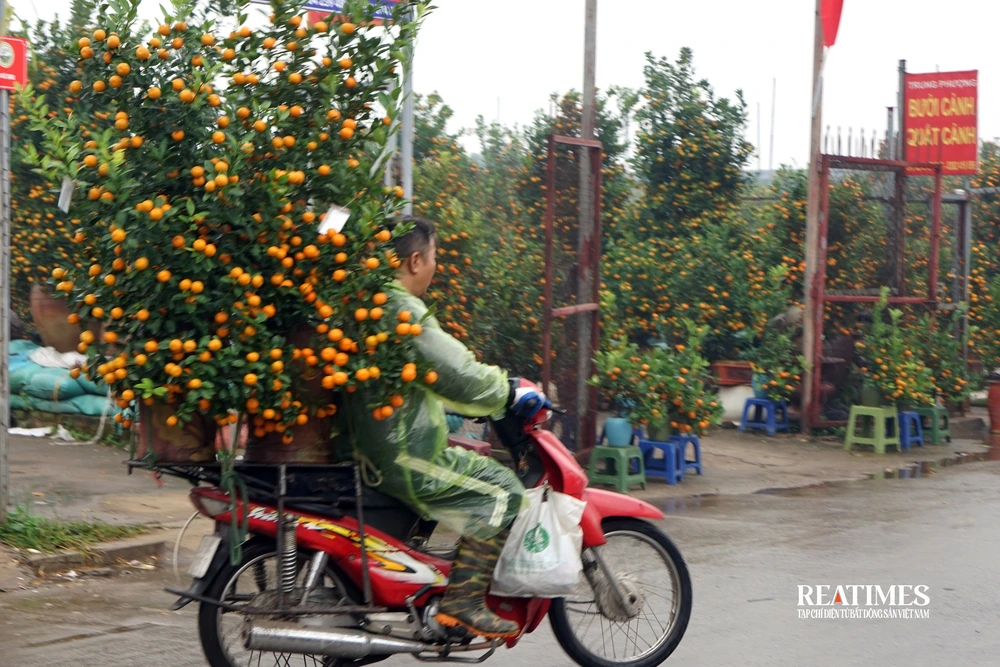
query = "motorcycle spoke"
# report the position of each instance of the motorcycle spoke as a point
(637, 626)
(646, 586)
(656, 618)
(662, 597)
(604, 642)
(574, 607)
(630, 637)
(617, 627)
(648, 622)
(260, 576)
(589, 625)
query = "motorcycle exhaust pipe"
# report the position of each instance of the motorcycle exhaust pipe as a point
(335, 642)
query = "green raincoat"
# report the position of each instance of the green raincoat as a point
(474, 495)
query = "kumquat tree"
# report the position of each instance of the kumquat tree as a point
(233, 196)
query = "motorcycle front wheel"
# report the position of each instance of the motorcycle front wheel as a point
(639, 618)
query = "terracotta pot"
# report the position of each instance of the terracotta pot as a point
(732, 373)
(311, 443)
(49, 315)
(993, 405)
(192, 443)
(224, 434)
(955, 408)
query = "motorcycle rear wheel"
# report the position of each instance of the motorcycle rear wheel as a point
(224, 649)
(648, 562)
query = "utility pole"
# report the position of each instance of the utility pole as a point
(406, 152)
(4, 287)
(586, 222)
(813, 315)
(774, 99)
(759, 146)
(898, 241)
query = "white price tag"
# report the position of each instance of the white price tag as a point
(336, 218)
(66, 194)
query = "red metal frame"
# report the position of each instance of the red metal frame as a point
(817, 298)
(590, 259)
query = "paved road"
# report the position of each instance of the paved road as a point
(747, 554)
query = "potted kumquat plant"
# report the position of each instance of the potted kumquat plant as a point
(232, 194)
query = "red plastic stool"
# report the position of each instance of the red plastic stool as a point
(478, 446)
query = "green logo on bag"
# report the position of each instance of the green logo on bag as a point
(537, 540)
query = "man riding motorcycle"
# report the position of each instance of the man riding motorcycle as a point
(474, 495)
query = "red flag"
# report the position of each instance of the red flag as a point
(830, 14)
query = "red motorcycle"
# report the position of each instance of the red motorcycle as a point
(304, 590)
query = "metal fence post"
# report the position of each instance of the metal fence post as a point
(4, 288)
(586, 277)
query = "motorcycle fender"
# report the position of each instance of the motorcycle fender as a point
(607, 504)
(199, 586)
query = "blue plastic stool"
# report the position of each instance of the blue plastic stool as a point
(671, 466)
(765, 415)
(683, 442)
(911, 430)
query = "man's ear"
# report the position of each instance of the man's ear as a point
(411, 262)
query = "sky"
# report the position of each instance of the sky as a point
(504, 59)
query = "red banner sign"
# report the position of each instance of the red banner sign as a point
(13, 62)
(941, 120)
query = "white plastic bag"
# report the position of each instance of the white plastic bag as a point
(542, 555)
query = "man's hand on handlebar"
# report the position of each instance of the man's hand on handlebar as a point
(527, 402)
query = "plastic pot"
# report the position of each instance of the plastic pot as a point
(759, 384)
(618, 432)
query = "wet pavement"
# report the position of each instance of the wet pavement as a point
(747, 554)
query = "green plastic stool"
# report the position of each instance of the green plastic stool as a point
(936, 423)
(622, 458)
(880, 432)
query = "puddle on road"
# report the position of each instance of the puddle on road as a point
(914, 470)
(685, 503)
(802, 491)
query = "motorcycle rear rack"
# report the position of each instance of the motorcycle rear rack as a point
(210, 472)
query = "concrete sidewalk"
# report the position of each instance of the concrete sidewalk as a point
(78, 482)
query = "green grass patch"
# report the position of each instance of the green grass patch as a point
(26, 530)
